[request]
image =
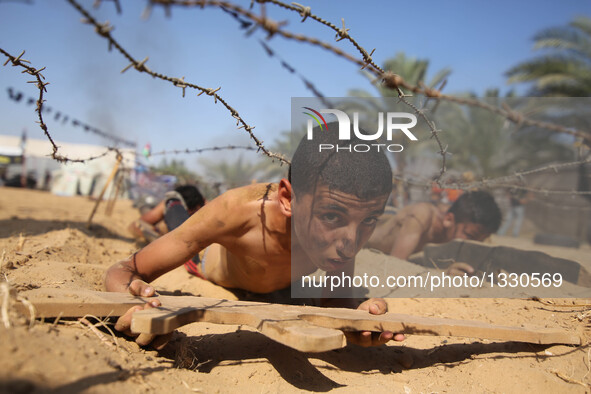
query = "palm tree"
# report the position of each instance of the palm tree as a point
(285, 144)
(184, 176)
(488, 145)
(565, 68)
(232, 174)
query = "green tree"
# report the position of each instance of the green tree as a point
(232, 174)
(285, 144)
(488, 145)
(176, 168)
(184, 176)
(565, 67)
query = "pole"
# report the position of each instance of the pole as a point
(100, 197)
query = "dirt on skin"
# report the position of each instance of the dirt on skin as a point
(44, 243)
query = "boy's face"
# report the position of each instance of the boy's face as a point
(331, 226)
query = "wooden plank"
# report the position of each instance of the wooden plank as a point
(305, 328)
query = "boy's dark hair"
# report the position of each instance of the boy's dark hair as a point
(363, 174)
(191, 195)
(477, 207)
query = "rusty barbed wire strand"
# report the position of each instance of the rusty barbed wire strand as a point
(561, 206)
(341, 33)
(394, 81)
(104, 30)
(272, 27)
(20, 62)
(390, 79)
(434, 134)
(97, 4)
(307, 83)
(484, 184)
(244, 24)
(201, 150)
(508, 182)
(17, 96)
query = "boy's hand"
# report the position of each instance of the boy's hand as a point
(375, 306)
(460, 269)
(140, 288)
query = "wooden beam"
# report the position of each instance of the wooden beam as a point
(305, 328)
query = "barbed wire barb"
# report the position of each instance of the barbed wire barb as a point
(140, 66)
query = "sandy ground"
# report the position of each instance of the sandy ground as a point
(58, 251)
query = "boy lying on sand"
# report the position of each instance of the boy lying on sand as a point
(474, 215)
(189, 200)
(253, 237)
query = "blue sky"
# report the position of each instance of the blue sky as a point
(479, 40)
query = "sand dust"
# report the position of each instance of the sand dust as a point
(44, 243)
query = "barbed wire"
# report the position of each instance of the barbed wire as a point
(201, 150)
(309, 85)
(341, 33)
(270, 26)
(562, 206)
(18, 61)
(17, 96)
(515, 181)
(97, 4)
(245, 24)
(389, 79)
(273, 28)
(104, 30)
(396, 82)
(434, 134)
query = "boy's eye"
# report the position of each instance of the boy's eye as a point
(330, 217)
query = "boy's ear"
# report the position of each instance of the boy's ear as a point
(449, 220)
(285, 193)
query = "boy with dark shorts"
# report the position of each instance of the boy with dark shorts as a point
(173, 210)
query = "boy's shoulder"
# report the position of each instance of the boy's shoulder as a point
(248, 193)
(419, 208)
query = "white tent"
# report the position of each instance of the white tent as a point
(66, 178)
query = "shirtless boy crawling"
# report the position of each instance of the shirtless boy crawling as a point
(251, 236)
(474, 215)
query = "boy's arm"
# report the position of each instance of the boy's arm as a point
(155, 214)
(176, 247)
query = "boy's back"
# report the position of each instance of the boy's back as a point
(408, 230)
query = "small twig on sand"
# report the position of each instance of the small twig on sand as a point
(31, 309)
(566, 378)
(21, 242)
(57, 319)
(99, 334)
(588, 363)
(5, 292)
(2, 260)
(195, 390)
(551, 303)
